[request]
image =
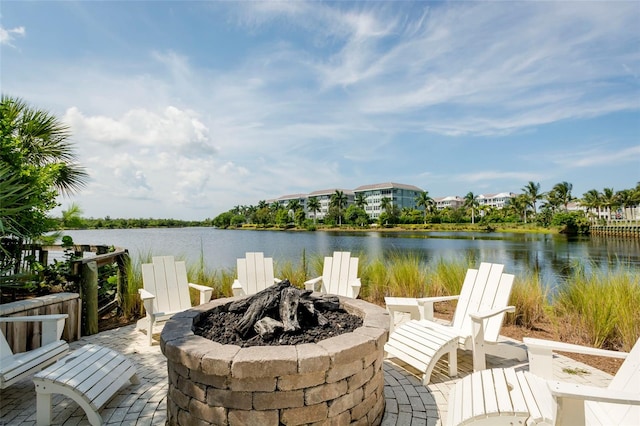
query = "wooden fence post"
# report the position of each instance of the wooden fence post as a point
(89, 292)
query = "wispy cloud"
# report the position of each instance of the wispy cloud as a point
(8, 35)
(600, 157)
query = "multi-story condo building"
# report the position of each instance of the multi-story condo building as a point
(324, 196)
(452, 201)
(401, 196)
(495, 200)
(286, 199)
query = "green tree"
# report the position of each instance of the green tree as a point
(339, 201)
(561, 194)
(72, 217)
(313, 204)
(360, 201)
(426, 202)
(591, 200)
(609, 200)
(532, 191)
(470, 202)
(35, 147)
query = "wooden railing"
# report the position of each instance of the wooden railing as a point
(87, 270)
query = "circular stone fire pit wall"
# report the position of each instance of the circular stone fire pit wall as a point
(335, 381)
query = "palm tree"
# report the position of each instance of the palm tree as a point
(592, 200)
(520, 205)
(360, 200)
(313, 204)
(532, 191)
(35, 147)
(471, 202)
(339, 201)
(425, 201)
(609, 200)
(562, 194)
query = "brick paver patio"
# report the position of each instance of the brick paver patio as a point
(408, 402)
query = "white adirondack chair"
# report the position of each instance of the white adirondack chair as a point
(255, 273)
(339, 276)
(166, 291)
(504, 396)
(15, 366)
(618, 404)
(476, 324)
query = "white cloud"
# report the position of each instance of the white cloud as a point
(8, 35)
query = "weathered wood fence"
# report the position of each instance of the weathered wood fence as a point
(26, 336)
(85, 321)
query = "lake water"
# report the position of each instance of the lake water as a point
(551, 255)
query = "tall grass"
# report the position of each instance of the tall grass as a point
(602, 307)
(530, 298)
(597, 307)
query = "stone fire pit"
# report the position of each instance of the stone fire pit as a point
(337, 380)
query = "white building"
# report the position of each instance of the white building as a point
(452, 201)
(401, 195)
(498, 200)
(324, 196)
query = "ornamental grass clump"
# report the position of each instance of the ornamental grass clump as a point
(602, 306)
(529, 296)
(407, 276)
(375, 281)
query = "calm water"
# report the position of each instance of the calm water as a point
(552, 255)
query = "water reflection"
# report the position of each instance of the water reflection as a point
(552, 256)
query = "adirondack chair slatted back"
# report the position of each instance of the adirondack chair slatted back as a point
(483, 289)
(167, 280)
(5, 349)
(255, 272)
(339, 272)
(627, 379)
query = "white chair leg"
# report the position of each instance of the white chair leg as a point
(43, 409)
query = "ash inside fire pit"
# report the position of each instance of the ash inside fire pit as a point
(278, 315)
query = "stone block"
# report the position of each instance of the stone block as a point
(179, 398)
(265, 361)
(325, 392)
(361, 410)
(348, 347)
(229, 399)
(311, 358)
(374, 417)
(275, 400)
(345, 402)
(341, 371)
(208, 413)
(359, 379)
(304, 415)
(187, 351)
(377, 320)
(192, 389)
(217, 360)
(252, 417)
(341, 419)
(300, 381)
(259, 384)
(379, 335)
(219, 382)
(375, 385)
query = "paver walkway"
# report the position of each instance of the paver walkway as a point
(408, 402)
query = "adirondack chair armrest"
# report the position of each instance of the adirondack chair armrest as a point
(52, 325)
(426, 303)
(540, 354)
(481, 316)
(592, 393)
(236, 287)
(276, 280)
(205, 292)
(311, 284)
(145, 295)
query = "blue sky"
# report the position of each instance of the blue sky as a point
(185, 109)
